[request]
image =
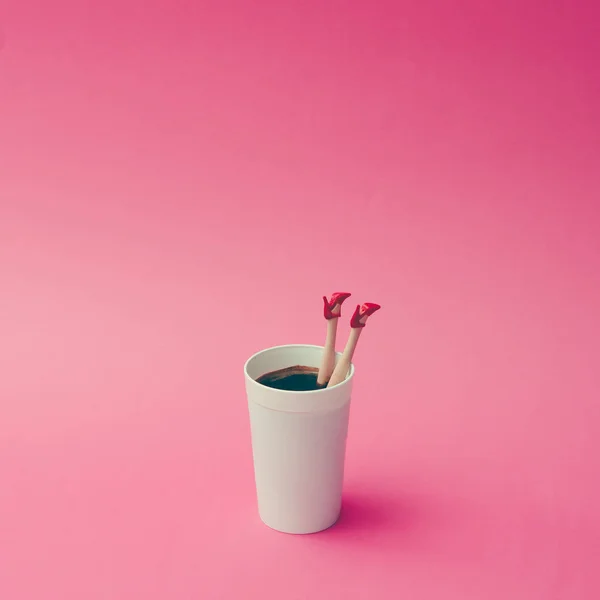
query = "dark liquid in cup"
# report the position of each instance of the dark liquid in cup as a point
(292, 379)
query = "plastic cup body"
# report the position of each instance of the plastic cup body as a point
(298, 443)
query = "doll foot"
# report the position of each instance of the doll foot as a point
(333, 308)
(359, 318)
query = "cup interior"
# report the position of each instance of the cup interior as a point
(281, 357)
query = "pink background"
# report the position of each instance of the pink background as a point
(181, 182)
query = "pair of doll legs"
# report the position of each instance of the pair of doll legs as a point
(329, 373)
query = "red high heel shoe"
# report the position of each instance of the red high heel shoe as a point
(337, 299)
(366, 310)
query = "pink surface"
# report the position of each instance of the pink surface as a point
(159, 158)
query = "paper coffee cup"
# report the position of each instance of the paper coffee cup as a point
(298, 443)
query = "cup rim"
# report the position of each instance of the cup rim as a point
(346, 381)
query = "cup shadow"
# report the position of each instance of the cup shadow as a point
(376, 512)
(379, 519)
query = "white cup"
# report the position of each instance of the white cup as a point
(298, 443)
